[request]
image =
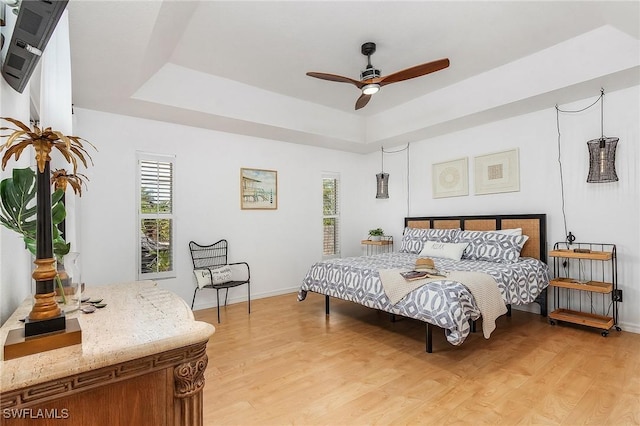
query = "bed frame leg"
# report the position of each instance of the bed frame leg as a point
(509, 310)
(473, 326)
(542, 301)
(326, 304)
(429, 338)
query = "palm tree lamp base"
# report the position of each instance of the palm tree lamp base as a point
(18, 345)
(38, 327)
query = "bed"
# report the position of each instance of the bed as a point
(491, 242)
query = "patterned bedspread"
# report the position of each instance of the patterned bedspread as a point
(445, 303)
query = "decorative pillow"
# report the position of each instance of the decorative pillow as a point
(219, 275)
(491, 246)
(414, 238)
(514, 231)
(445, 250)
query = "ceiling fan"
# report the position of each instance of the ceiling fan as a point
(371, 81)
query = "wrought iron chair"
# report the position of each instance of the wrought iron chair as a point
(213, 257)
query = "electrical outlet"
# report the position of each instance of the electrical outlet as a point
(617, 295)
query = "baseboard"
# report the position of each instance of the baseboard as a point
(632, 328)
(243, 298)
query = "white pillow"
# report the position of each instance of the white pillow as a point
(219, 275)
(515, 231)
(444, 250)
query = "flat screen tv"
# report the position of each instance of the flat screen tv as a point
(34, 25)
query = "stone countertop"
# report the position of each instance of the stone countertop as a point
(140, 319)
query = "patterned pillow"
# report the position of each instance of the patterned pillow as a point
(217, 275)
(414, 238)
(491, 246)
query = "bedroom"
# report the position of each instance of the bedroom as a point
(283, 243)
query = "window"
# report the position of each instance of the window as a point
(331, 215)
(155, 216)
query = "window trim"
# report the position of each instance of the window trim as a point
(164, 158)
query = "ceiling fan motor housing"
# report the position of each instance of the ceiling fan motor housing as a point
(369, 73)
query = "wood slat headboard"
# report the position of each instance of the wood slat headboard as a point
(533, 225)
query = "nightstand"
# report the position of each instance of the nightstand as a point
(385, 245)
(585, 285)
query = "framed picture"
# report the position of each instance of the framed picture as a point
(498, 172)
(258, 189)
(451, 178)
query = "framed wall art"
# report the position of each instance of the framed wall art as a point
(451, 178)
(498, 172)
(258, 189)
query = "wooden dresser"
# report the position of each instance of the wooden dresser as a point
(141, 362)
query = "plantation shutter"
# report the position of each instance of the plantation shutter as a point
(156, 219)
(331, 215)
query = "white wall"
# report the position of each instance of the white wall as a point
(15, 260)
(279, 245)
(595, 212)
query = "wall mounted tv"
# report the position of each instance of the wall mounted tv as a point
(34, 25)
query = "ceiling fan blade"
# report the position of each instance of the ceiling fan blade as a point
(362, 101)
(413, 72)
(335, 77)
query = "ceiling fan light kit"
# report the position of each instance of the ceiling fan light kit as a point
(370, 89)
(371, 80)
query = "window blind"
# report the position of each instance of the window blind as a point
(331, 215)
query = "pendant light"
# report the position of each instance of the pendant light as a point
(602, 154)
(382, 180)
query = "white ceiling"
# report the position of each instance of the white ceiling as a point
(240, 66)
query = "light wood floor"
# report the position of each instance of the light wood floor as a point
(287, 363)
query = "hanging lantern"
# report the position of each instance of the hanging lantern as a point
(382, 180)
(602, 154)
(602, 160)
(382, 185)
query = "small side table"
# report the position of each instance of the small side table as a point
(385, 245)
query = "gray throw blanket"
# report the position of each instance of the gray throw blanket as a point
(482, 286)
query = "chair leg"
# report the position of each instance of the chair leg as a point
(194, 298)
(249, 296)
(226, 295)
(218, 302)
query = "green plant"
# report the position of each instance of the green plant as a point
(18, 210)
(378, 232)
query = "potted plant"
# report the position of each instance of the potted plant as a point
(45, 315)
(376, 234)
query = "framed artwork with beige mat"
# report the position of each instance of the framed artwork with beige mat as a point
(498, 172)
(451, 178)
